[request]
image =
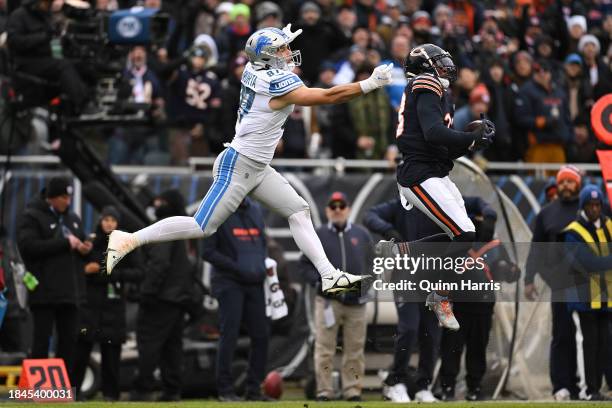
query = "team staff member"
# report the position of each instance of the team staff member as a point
(347, 245)
(588, 241)
(52, 243)
(237, 252)
(549, 223)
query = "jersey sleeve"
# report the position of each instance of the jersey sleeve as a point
(281, 83)
(427, 83)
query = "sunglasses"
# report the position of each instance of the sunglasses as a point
(334, 207)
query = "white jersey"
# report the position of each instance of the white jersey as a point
(259, 128)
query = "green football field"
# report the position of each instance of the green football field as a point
(309, 404)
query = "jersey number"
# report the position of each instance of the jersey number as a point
(247, 95)
(448, 120)
(197, 93)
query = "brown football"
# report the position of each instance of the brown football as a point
(273, 385)
(473, 125)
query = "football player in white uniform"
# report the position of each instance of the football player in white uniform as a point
(269, 92)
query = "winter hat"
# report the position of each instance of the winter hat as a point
(579, 21)
(588, 38)
(589, 193)
(111, 211)
(58, 186)
(569, 172)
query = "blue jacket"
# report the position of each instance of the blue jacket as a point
(237, 251)
(349, 250)
(535, 101)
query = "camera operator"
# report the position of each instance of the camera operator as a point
(29, 34)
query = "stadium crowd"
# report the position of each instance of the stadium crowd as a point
(534, 67)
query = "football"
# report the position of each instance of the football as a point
(473, 125)
(273, 385)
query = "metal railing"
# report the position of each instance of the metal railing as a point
(339, 165)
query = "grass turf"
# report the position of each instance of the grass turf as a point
(308, 404)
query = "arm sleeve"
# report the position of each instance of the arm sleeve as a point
(583, 259)
(379, 219)
(17, 39)
(32, 246)
(432, 123)
(283, 84)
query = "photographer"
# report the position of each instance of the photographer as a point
(588, 245)
(29, 34)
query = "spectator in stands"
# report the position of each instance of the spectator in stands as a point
(367, 14)
(542, 111)
(268, 14)
(346, 70)
(295, 136)
(599, 73)
(230, 100)
(582, 148)
(421, 27)
(362, 130)
(195, 100)
(467, 15)
(319, 40)
(577, 26)
(578, 87)
(591, 263)
(348, 247)
(237, 252)
(29, 34)
(52, 243)
(522, 67)
(233, 38)
(500, 112)
(142, 144)
(415, 323)
(548, 224)
(467, 81)
(102, 318)
(480, 99)
(323, 115)
(346, 21)
(165, 292)
(400, 48)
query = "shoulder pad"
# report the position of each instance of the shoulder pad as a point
(427, 83)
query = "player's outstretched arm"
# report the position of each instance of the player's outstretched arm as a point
(305, 96)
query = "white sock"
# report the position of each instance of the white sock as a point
(308, 241)
(169, 229)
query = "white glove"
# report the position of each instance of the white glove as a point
(380, 77)
(292, 36)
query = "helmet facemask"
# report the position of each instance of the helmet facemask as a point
(444, 67)
(286, 63)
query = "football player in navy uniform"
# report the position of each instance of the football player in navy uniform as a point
(429, 145)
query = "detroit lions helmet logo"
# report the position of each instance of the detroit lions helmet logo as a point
(262, 42)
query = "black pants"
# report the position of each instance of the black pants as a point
(58, 70)
(474, 336)
(159, 334)
(242, 304)
(594, 326)
(415, 321)
(563, 350)
(65, 318)
(111, 359)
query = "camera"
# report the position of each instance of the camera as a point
(98, 43)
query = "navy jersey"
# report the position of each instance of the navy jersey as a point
(423, 158)
(195, 94)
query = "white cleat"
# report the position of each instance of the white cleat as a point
(119, 245)
(341, 282)
(396, 393)
(425, 396)
(443, 310)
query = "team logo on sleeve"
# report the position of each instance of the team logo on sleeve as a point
(284, 83)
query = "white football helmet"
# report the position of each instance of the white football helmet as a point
(263, 45)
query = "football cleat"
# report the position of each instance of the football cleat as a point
(395, 393)
(443, 309)
(119, 245)
(342, 282)
(425, 396)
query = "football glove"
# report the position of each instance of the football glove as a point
(483, 137)
(380, 77)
